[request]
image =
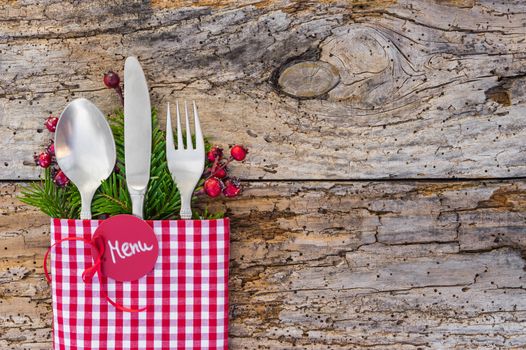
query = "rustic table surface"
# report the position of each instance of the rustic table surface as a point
(385, 201)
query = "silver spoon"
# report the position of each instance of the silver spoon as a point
(85, 149)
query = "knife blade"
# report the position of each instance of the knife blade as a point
(137, 133)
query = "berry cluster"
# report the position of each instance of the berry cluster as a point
(47, 159)
(217, 179)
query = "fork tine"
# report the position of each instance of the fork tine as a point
(199, 142)
(189, 143)
(179, 130)
(169, 132)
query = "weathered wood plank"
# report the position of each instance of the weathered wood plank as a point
(423, 88)
(319, 265)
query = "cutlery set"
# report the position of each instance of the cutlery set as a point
(85, 148)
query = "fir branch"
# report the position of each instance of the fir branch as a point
(162, 200)
(53, 200)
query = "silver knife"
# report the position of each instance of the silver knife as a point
(137, 133)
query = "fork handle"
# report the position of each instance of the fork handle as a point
(186, 210)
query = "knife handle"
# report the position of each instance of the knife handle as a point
(137, 202)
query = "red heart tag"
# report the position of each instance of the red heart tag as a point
(130, 247)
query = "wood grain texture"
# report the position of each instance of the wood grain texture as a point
(422, 89)
(327, 90)
(321, 265)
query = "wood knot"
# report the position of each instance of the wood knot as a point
(373, 72)
(500, 95)
(308, 79)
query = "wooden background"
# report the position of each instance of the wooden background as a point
(386, 197)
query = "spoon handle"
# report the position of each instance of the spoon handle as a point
(85, 210)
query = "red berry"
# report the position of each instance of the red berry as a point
(238, 152)
(212, 187)
(112, 80)
(61, 179)
(44, 160)
(51, 123)
(215, 152)
(220, 173)
(232, 188)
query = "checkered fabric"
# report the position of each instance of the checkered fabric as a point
(186, 293)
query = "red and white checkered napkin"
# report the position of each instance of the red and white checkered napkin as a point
(186, 293)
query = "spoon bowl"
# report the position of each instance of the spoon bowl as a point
(84, 149)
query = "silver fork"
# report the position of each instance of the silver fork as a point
(185, 164)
